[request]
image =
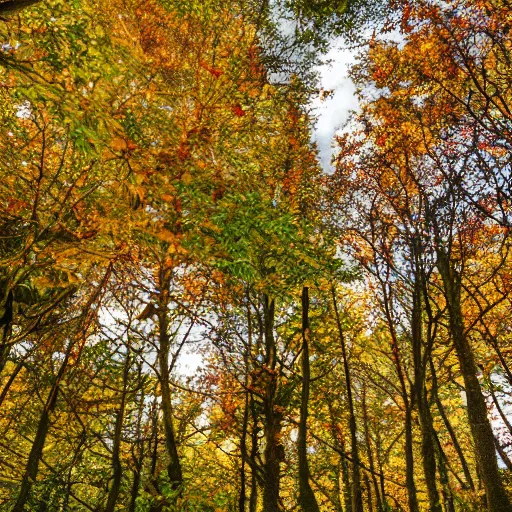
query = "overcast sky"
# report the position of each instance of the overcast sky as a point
(333, 112)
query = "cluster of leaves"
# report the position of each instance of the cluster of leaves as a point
(160, 200)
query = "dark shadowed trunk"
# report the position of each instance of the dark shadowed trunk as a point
(253, 498)
(274, 451)
(357, 499)
(307, 500)
(117, 468)
(36, 452)
(425, 417)
(449, 428)
(174, 471)
(483, 438)
(369, 451)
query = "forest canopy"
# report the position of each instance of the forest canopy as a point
(162, 204)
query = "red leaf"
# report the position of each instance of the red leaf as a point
(238, 110)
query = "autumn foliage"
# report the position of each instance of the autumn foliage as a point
(195, 317)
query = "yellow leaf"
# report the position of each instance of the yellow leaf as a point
(186, 178)
(165, 235)
(118, 144)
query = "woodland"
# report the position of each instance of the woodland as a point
(161, 200)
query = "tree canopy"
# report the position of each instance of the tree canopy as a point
(194, 316)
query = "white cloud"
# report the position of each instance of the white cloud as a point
(333, 112)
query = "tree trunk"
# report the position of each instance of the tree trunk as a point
(343, 471)
(357, 499)
(407, 401)
(243, 445)
(449, 506)
(345, 476)
(483, 438)
(253, 498)
(115, 488)
(307, 500)
(174, 467)
(6, 322)
(449, 428)
(36, 452)
(425, 417)
(274, 452)
(370, 453)
(409, 462)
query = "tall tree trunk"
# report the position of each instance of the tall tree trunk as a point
(368, 492)
(307, 500)
(409, 461)
(274, 452)
(115, 488)
(36, 452)
(336, 499)
(338, 442)
(425, 417)
(243, 444)
(449, 505)
(407, 401)
(428, 452)
(381, 471)
(370, 452)
(253, 498)
(345, 477)
(357, 499)
(134, 493)
(449, 428)
(174, 471)
(483, 438)
(6, 310)
(137, 448)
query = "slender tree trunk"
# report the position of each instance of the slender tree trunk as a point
(368, 492)
(498, 407)
(449, 506)
(494, 342)
(6, 310)
(425, 417)
(381, 471)
(336, 499)
(174, 471)
(115, 488)
(243, 445)
(152, 486)
(248, 408)
(36, 452)
(409, 461)
(370, 453)
(428, 452)
(407, 401)
(449, 428)
(503, 454)
(274, 452)
(307, 500)
(343, 470)
(357, 499)
(345, 477)
(9, 383)
(483, 438)
(134, 493)
(253, 498)
(137, 448)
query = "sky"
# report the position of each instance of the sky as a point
(333, 112)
